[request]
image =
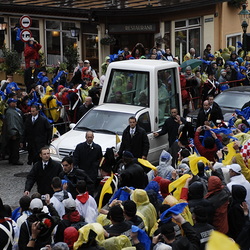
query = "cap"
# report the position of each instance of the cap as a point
(127, 154)
(11, 100)
(69, 204)
(236, 168)
(36, 203)
(86, 61)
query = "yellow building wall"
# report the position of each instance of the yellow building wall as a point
(226, 23)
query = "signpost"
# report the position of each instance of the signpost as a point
(25, 22)
(25, 35)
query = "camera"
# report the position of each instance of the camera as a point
(203, 127)
(43, 197)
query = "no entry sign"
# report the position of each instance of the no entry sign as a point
(25, 35)
(25, 22)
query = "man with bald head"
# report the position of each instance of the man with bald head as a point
(204, 114)
(207, 115)
(85, 107)
(87, 156)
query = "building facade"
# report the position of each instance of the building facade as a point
(176, 24)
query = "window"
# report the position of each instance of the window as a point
(233, 39)
(167, 93)
(58, 37)
(187, 36)
(17, 44)
(99, 121)
(128, 87)
(144, 122)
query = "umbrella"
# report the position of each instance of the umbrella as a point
(193, 63)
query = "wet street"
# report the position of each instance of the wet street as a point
(12, 181)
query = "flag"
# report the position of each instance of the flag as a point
(146, 163)
(55, 132)
(229, 156)
(106, 189)
(177, 185)
(117, 139)
(193, 160)
(220, 241)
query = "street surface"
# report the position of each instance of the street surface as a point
(12, 180)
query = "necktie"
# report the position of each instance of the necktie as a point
(33, 119)
(132, 132)
(45, 166)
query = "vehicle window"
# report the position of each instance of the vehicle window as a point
(104, 121)
(167, 93)
(128, 87)
(144, 122)
(225, 99)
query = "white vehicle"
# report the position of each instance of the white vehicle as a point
(146, 89)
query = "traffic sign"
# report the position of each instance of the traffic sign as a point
(25, 35)
(25, 22)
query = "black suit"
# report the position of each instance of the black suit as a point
(213, 115)
(138, 145)
(37, 135)
(43, 177)
(171, 127)
(30, 77)
(88, 158)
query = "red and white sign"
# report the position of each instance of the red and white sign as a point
(25, 22)
(25, 35)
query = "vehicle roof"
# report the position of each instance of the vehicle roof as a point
(143, 64)
(119, 108)
(238, 89)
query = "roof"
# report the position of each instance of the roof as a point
(142, 64)
(101, 7)
(239, 89)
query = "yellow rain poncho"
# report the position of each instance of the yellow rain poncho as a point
(50, 105)
(144, 207)
(242, 137)
(116, 243)
(84, 234)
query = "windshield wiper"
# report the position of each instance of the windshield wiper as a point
(84, 128)
(105, 130)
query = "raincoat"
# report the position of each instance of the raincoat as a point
(51, 105)
(145, 208)
(164, 169)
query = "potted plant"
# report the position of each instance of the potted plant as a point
(237, 3)
(108, 40)
(12, 61)
(71, 57)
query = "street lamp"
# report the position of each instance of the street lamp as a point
(244, 20)
(75, 32)
(3, 25)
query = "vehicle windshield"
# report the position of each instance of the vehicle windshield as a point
(128, 87)
(232, 99)
(104, 122)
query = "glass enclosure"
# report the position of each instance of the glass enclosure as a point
(99, 121)
(167, 93)
(128, 87)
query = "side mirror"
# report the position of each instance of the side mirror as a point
(72, 125)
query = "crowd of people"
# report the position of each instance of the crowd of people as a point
(197, 195)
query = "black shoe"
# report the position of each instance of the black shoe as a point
(17, 163)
